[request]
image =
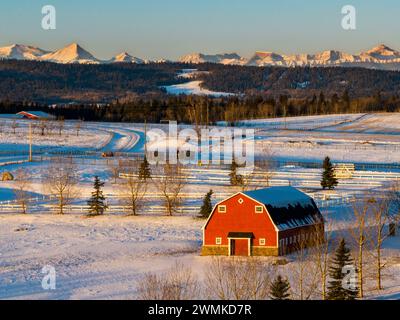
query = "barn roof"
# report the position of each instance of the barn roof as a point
(287, 206)
(38, 114)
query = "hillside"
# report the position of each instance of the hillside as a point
(63, 83)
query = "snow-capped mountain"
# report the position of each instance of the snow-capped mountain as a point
(72, 53)
(380, 54)
(225, 58)
(21, 52)
(380, 57)
(262, 58)
(126, 58)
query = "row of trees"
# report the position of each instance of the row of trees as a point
(203, 110)
(61, 182)
(254, 279)
(41, 127)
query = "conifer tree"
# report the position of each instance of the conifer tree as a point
(97, 204)
(280, 289)
(336, 289)
(235, 178)
(328, 176)
(206, 208)
(144, 170)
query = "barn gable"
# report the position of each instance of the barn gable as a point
(288, 207)
(268, 218)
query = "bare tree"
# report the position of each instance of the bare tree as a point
(304, 272)
(359, 233)
(14, 125)
(247, 180)
(381, 216)
(238, 279)
(320, 253)
(43, 125)
(115, 169)
(60, 126)
(266, 165)
(178, 283)
(61, 182)
(78, 127)
(195, 115)
(170, 182)
(133, 191)
(22, 184)
(50, 127)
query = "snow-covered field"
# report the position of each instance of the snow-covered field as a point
(194, 87)
(104, 257)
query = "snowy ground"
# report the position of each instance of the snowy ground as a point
(194, 87)
(104, 257)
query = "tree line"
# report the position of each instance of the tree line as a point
(201, 110)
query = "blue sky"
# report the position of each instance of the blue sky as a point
(171, 28)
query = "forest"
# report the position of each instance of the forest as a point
(133, 92)
(206, 110)
(51, 83)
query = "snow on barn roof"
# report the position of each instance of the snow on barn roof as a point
(287, 206)
(37, 114)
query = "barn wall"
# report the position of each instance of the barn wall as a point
(240, 217)
(307, 236)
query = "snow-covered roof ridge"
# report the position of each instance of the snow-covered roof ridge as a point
(277, 196)
(287, 206)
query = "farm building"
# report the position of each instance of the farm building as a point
(35, 115)
(266, 222)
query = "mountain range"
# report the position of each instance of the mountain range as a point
(380, 57)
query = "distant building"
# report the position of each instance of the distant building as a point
(266, 222)
(36, 115)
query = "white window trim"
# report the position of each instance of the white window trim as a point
(221, 209)
(258, 207)
(262, 241)
(218, 240)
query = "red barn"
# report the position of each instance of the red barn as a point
(35, 115)
(266, 222)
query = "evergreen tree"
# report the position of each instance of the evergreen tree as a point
(342, 258)
(328, 176)
(280, 289)
(96, 203)
(144, 170)
(235, 178)
(206, 208)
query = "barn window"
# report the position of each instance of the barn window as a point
(262, 242)
(218, 240)
(259, 209)
(222, 209)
